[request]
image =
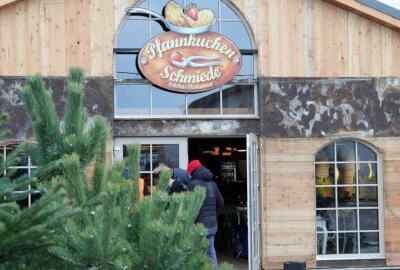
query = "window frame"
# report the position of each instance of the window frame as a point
(29, 167)
(336, 208)
(235, 81)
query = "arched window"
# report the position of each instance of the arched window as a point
(348, 201)
(24, 166)
(136, 97)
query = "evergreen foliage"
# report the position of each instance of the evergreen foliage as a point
(114, 229)
(28, 231)
(53, 141)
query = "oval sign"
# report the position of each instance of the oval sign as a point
(189, 63)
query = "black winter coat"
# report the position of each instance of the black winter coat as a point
(213, 204)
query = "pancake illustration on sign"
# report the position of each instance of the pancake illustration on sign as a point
(190, 20)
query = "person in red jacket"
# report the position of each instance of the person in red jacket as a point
(213, 203)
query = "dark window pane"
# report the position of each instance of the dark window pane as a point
(16, 173)
(23, 160)
(347, 220)
(132, 99)
(326, 219)
(369, 242)
(35, 196)
(10, 148)
(367, 173)
(135, 33)
(324, 174)
(365, 153)
(325, 154)
(126, 67)
(238, 99)
(348, 243)
(345, 151)
(24, 203)
(369, 219)
(325, 197)
(368, 196)
(237, 33)
(168, 103)
(166, 153)
(204, 103)
(347, 196)
(145, 157)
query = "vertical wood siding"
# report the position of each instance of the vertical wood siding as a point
(295, 38)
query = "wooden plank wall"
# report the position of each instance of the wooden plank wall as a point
(288, 194)
(295, 38)
(48, 36)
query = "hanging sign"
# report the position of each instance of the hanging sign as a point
(189, 58)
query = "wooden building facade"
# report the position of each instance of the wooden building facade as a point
(326, 74)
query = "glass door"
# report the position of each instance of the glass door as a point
(253, 202)
(171, 151)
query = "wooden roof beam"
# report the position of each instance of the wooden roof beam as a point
(4, 3)
(368, 12)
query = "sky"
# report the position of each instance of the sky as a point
(392, 3)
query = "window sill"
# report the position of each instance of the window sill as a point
(354, 262)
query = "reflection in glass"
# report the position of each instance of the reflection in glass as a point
(348, 243)
(369, 219)
(347, 220)
(166, 153)
(204, 103)
(365, 153)
(347, 197)
(247, 68)
(368, 196)
(126, 67)
(367, 173)
(345, 151)
(369, 242)
(325, 154)
(132, 99)
(345, 174)
(327, 218)
(145, 157)
(238, 99)
(157, 27)
(325, 197)
(210, 4)
(237, 33)
(134, 33)
(324, 174)
(228, 13)
(168, 103)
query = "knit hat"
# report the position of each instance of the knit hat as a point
(193, 165)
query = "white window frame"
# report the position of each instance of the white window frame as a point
(29, 167)
(379, 185)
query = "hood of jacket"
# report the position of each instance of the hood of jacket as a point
(202, 173)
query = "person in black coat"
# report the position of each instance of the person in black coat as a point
(213, 203)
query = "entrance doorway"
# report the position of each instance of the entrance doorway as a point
(234, 162)
(226, 158)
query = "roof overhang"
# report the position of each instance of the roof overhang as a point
(4, 3)
(368, 12)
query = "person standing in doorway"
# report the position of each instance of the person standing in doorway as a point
(179, 178)
(213, 204)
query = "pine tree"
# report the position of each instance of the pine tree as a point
(28, 231)
(53, 141)
(114, 229)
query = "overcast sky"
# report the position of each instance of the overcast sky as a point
(393, 3)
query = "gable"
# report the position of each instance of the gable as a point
(372, 10)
